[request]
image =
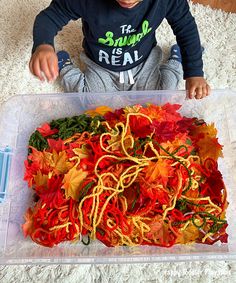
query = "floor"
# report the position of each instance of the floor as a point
(226, 5)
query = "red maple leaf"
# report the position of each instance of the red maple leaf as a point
(164, 131)
(57, 145)
(185, 124)
(114, 117)
(213, 186)
(170, 112)
(140, 126)
(52, 193)
(45, 130)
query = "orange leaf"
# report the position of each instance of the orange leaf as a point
(209, 130)
(180, 139)
(28, 226)
(209, 147)
(159, 171)
(38, 160)
(73, 181)
(207, 142)
(101, 110)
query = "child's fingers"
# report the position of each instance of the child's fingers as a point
(191, 92)
(205, 91)
(53, 67)
(45, 69)
(199, 93)
(208, 89)
(36, 70)
(197, 87)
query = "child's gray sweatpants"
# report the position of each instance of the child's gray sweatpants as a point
(149, 75)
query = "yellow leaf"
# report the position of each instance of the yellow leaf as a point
(73, 181)
(81, 152)
(40, 179)
(57, 161)
(189, 235)
(115, 141)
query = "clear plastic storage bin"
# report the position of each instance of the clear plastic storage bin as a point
(19, 117)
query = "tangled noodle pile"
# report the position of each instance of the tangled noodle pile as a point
(134, 176)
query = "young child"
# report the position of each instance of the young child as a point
(120, 47)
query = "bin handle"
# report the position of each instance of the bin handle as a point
(5, 164)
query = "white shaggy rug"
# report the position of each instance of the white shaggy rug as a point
(218, 34)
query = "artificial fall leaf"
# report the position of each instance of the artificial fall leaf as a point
(156, 224)
(164, 131)
(30, 171)
(57, 161)
(170, 112)
(115, 141)
(162, 196)
(205, 129)
(140, 126)
(52, 193)
(159, 171)
(101, 110)
(209, 147)
(28, 226)
(167, 112)
(213, 186)
(57, 145)
(40, 179)
(185, 124)
(38, 159)
(73, 181)
(159, 230)
(81, 152)
(204, 136)
(153, 111)
(179, 140)
(188, 235)
(192, 193)
(115, 117)
(45, 130)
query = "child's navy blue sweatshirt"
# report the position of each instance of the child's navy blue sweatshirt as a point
(118, 38)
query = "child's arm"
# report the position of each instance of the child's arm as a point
(185, 29)
(43, 62)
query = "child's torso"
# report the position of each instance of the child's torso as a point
(118, 38)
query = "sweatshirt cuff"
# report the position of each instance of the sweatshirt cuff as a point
(35, 45)
(193, 73)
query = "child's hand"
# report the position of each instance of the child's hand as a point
(197, 87)
(44, 63)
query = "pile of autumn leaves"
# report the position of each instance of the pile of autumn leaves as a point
(148, 177)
